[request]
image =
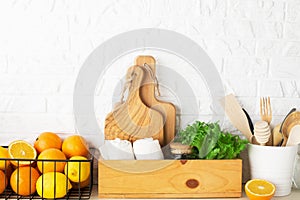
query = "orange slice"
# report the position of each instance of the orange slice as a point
(21, 150)
(258, 189)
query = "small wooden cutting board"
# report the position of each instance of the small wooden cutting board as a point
(147, 94)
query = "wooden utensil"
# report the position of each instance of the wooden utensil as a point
(253, 140)
(294, 136)
(147, 94)
(280, 129)
(236, 115)
(266, 114)
(262, 132)
(292, 120)
(291, 111)
(277, 136)
(265, 109)
(132, 119)
(249, 121)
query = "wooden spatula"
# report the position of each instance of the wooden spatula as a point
(236, 115)
(147, 94)
(294, 136)
(132, 119)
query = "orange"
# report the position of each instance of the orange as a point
(258, 189)
(23, 180)
(8, 171)
(75, 145)
(20, 149)
(58, 163)
(47, 140)
(3, 182)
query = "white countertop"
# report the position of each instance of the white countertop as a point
(295, 195)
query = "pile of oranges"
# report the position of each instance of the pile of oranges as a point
(50, 167)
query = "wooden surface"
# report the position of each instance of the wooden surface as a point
(236, 115)
(132, 119)
(148, 96)
(295, 194)
(172, 179)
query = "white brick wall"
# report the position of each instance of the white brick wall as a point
(255, 46)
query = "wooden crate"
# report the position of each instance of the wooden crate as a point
(169, 178)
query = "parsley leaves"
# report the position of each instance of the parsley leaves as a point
(209, 142)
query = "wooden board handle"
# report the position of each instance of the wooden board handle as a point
(141, 60)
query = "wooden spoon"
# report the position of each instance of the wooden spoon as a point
(284, 133)
(277, 136)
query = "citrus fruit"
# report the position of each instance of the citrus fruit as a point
(78, 171)
(75, 145)
(8, 171)
(258, 189)
(3, 154)
(21, 149)
(57, 161)
(82, 184)
(47, 140)
(53, 185)
(23, 180)
(3, 182)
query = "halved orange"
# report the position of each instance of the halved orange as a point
(258, 189)
(21, 149)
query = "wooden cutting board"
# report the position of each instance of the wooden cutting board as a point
(148, 96)
(132, 119)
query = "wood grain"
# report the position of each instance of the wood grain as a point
(188, 179)
(148, 96)
(132, 119)
(236, 115)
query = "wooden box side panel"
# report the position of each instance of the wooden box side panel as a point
(182, 179)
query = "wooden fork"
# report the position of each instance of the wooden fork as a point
(265, 109)
(266, 115)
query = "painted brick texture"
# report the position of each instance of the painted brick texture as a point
(255, 46)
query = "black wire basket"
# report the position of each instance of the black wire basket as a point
(79, 190)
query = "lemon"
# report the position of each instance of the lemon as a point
(78, 171)
(3, 155)
(82, 184)
(51, 182)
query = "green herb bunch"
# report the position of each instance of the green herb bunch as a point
(209, 142)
